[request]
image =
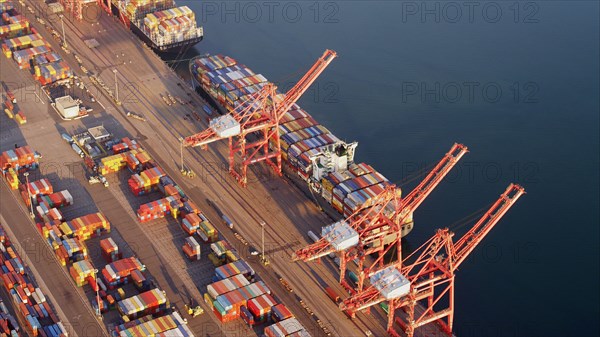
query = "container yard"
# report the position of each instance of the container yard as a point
(34, 312)
(150, 251)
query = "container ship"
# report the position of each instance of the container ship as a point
(161, 24)
(313, 156)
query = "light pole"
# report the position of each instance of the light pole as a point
(26, 174)
(262, 234)
(63, 31)
(98, 312)
(116, 85)
(181, 153)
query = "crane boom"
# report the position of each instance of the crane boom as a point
(468, 242)
(422, 191)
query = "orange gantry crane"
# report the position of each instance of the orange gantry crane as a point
(258, 116)
(376, 226)
(427, 275)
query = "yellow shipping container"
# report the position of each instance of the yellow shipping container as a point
(65, 229)
(13, 179)
(20, 119)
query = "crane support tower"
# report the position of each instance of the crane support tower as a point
(259, 116)
(426, 277)
(376, 226)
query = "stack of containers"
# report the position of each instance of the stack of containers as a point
(260, 308)
(146, 181)
(21, 159)
(218, 288)
(343, 189)
(8, 324)
(234, 268)
(35, 188)
(23, 42)
(81, 271)
(118, 272)
(191, 248)
(139, 280)
(220, 248)
(159, 209)
(70, 251)
(29, 302)
(150, 302)
(48, 214)
(11, 178)
(13, 26)
(280, 313)
(126, 144)
(56, 200)
(52, 71)
(112, 164)
(148, 326)
(283, 328)
(227, 306)
(136, 159)
(207, 231)
(23, 56)
(110, 250)
(190, 223)
(86, 226)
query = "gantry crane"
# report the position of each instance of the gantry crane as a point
(374, 222)
(260, 115)
(427, 275)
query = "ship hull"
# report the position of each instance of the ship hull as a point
(177, 48)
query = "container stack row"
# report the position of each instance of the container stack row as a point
(13, 25)
(145, 182)
(21, 159)
(29, 50)
(120, 272)
(8, 324)
(168, 325)
(10, 108)
(28, 300)
(151, 302)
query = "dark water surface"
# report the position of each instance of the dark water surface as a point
(517, 82)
